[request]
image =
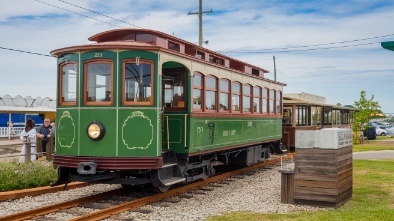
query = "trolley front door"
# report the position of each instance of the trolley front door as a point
(174, 107)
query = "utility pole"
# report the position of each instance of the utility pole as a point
(274, 69)
(200, 12)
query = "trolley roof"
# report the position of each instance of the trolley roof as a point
(158, 41)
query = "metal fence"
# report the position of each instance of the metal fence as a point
(10, 131)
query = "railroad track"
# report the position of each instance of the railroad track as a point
(131, 204)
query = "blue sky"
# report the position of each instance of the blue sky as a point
(235, 28)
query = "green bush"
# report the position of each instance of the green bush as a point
(17, 176)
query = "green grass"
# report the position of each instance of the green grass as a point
(373, 145)
(373, 198)
(17, 176)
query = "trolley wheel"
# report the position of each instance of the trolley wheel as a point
(160, 189)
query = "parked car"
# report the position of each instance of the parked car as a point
(380, 132)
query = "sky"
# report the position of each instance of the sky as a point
(329, 48)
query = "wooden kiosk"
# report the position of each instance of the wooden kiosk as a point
(323, 171)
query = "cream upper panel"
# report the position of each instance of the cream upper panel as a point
(206, 69)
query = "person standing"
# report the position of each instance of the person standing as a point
(44, 132)
(29, 134)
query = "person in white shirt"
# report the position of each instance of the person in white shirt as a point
(29, 134)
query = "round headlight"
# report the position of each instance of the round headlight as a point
(95, 130)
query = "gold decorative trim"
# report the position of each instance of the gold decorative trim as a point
(66, 114)
(136, 114)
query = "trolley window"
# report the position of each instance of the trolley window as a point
(247, 95)
(197, 91)
(278, 99)
(210, 93)
(235, 95)
(137, 81)
(327, 116)
(257, 99)
(265, 100)
(98, 89)
(301, 115)
(272, 101)
(68, 84)
(315, 115)
(224, 96)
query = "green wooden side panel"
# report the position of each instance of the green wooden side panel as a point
(105, 146)
(174, 126)
(67, 57)
(67, 131)
(213, 133)
(139, 132)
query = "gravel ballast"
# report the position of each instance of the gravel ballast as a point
(255, 192)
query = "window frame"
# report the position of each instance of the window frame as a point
(271, 99)
(265, 98)
(133, 103)
(239, 96)
(215, 90)
(85, 78)
(228, 92)
(278, 102)
(183, 75)
(247, 96)
(259, 97)
(201, 88)
(60, 90)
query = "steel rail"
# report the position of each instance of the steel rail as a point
(105, 213)
(101, 214)
(16, 194)
(59, 206)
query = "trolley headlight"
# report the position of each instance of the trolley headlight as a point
(95, 130)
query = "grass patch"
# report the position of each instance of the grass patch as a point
(373, 198)
(384, 137)
(371, 147)
(17, 176)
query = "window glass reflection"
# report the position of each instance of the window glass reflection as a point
(138, 82)
(69, 83)
(99, 82)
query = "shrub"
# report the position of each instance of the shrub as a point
(17, 176)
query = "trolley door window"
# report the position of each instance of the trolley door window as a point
(174, 80)
(68, 84)
(197, 92)
(137, 82)
(98, 83)
(224, 101)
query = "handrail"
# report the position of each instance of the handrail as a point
(48, 154)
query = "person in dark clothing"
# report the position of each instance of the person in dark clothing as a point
(44, 132)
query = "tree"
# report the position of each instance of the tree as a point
(367, 109)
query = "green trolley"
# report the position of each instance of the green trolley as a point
(142, 107)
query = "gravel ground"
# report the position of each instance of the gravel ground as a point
(259, 192)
